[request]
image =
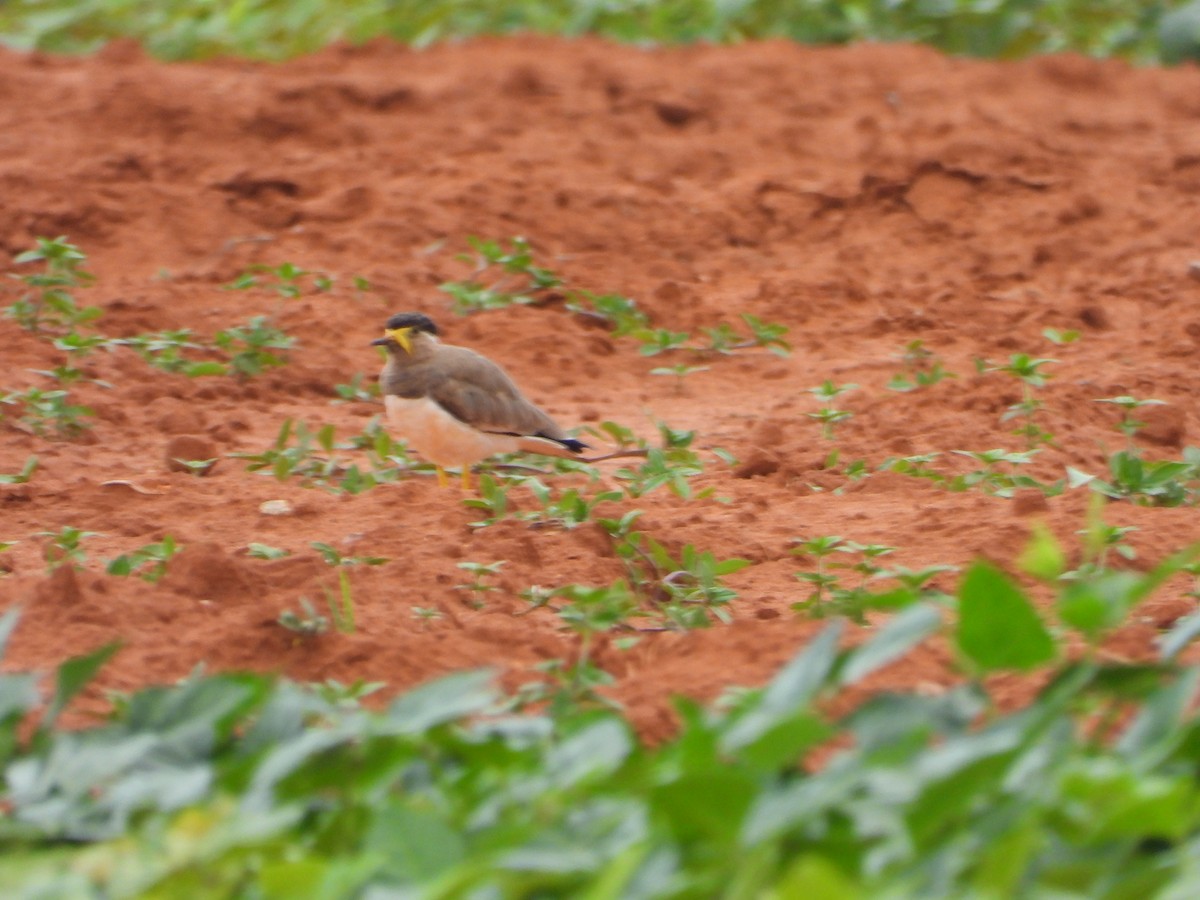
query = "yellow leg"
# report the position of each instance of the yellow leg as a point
(443, 480)
(466, 478)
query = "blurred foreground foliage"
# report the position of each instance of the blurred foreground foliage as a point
(242, 785)
(1140, 30)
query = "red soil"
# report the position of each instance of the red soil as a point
(864, 197)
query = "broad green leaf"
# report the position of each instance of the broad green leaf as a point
(710, 805)
(416, 845)
(614, 879)
(997, 626)
(444, 700)
(1156, 725)
(597, 750)
(1100, 603)
(789, 692)
(903, 632)
(1180, 636)
(122, 565)
(7, 623)
(903, 722)
(956, 778)
(200, 369)
(1003, 863)
(73, 677)
(813, 876)
(1109, 800)
(18, 694)
(897, 598)
(1076, 478)
(1043, 557)
(785, 743)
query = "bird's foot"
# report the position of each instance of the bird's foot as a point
(442, 477)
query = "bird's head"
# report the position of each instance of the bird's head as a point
(402, 329)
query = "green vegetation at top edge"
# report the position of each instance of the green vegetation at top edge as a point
(1158, 30)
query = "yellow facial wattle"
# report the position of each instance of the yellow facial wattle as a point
(400, 336)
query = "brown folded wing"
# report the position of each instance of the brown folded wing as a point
(474, 390)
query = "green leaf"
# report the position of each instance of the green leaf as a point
(266, 551)
(1156, 725)
(122, 565)
(785, 742)
(1108, 800)
(201, 369)
(1003, 863)
(1099, 604)
(710, 804)
(1077, 478)
(73, 677)
(418, 845)
(789, 692)
(1043, 557)
(997, 626)
(445, 700)
(7, 623)
(1181, 635)
(815, 876)
(597, 750)
(901, 633)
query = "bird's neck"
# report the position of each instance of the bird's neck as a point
(423, 347)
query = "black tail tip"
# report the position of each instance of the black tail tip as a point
(573, 445)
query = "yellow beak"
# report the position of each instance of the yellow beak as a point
(400, 336)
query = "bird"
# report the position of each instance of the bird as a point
(455, 406)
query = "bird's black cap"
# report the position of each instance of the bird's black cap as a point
(414, 320)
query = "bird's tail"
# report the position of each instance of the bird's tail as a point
(548, 446)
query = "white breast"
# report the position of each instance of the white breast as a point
(439, 437)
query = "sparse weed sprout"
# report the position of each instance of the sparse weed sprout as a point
(252, 347)
(520, 282)
(492, 499)
(829, 415)
(680, 371)
(425, 614)
(148, 562)
(517, 283)
(1161, 482)
(50, 302)
(684, 591)
(48, 413)
(566, 508)
(341, 603)
(256, 550)
(673, 464)
(287, 280)
(165, 350)
(1059, 337)
(307, 623)
(481, 576)
(312, 458)
(65, 547)
(334, 557)
(1032, 375)
(620, 313)
(921, 369)
(1130, 426)
(830, 597)
(77, 347)
(356, 391)
(995, 480)
(26, 473)
(723, 339)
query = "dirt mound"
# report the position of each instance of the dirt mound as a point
(865, 197)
